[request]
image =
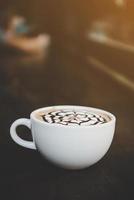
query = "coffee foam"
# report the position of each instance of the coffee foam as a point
(72, 117)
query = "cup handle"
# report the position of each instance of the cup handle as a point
(16, 138)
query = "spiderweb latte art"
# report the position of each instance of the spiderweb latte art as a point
(71, 118)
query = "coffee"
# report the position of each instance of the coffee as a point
(72, 117)
(72, 137)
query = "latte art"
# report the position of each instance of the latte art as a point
(71, 118)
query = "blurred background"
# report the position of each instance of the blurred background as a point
(56, 52)
(66, 52)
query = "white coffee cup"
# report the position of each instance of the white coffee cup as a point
(71, 147)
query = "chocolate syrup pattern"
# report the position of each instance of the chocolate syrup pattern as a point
(67, 117)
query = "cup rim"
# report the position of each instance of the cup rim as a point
(112, 117)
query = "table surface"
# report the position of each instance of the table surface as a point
(27, 83)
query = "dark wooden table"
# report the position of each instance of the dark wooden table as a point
(27, 83)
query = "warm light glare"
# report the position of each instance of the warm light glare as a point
(120, 2)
